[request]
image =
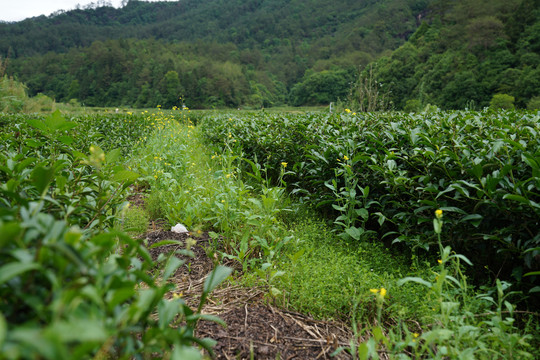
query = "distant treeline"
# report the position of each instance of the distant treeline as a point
(214, 53)
(270, 52)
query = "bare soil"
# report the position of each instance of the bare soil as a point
(255, 329)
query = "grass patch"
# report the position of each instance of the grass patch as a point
(328, 278)
(135, 221)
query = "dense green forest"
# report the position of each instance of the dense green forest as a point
(270, 52)
(465, 53)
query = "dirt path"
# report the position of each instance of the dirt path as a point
(254, 329)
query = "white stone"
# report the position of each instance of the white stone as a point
(179, 228)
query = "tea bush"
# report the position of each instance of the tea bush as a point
(385, 174)
(70, 287)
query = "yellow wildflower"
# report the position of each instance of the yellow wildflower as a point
(375, 291)
(347, 110)
(345, 157)
(383, 292)
(438, 213)
(284, 164)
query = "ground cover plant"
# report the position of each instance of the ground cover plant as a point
(256, 224)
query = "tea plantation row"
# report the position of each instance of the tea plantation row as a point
(72, 287)
(384, 175)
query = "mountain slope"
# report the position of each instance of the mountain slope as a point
(246, 23)
(259, 49)
(467, 52)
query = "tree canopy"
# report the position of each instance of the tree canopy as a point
(268, 52)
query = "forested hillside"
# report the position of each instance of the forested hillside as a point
(212, 52)
(259, 53)
(465, 53)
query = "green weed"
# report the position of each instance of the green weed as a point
(458, 329)
(135, 220)
(327, 277)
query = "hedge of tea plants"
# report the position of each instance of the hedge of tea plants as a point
(72, 287)
(384, 174)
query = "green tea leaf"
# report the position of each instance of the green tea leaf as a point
(9, 271)
(521, 199)
(113, 155)
(172, 265)
(67, 140)
(125, 175)
(213, 318)
(33, 143)
(453, 209)
(363, 351)
(80, 330)
(57, 122)
(42, 177)
(61, 182)
(354, 232)
(24, 164)
(38, 124)
(514, 197)
(8, 232)
(474, 219)
(416, 280)
(118, 296)
(3, 330)
(167, 311)
(166, 242)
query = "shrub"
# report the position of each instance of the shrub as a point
(413, 105)
(534, 103)
(502, 101)
(391, 170)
